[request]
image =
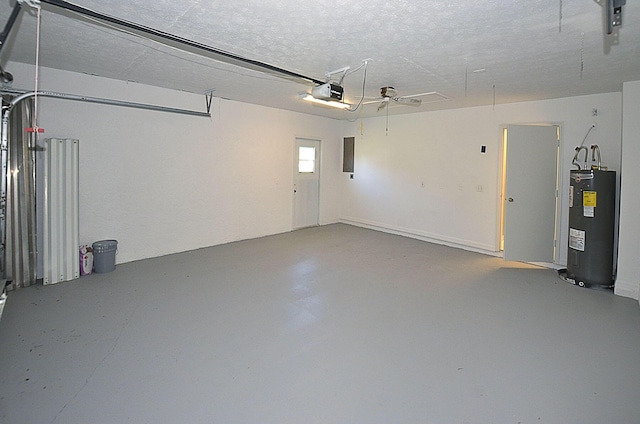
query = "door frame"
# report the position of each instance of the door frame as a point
(502, 160)
(295, 171)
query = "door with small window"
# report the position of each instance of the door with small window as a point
(306, 183)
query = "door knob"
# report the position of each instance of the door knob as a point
(510, 199)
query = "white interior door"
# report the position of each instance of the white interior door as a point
(306, 183)
(531, 193)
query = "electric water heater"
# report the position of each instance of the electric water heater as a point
(592, 201)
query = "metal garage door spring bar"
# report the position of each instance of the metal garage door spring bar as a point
(22, 94)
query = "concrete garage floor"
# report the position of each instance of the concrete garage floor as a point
(333, 324)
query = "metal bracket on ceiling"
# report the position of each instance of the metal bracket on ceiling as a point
(208, 98)
(613, 13)
(337, 71)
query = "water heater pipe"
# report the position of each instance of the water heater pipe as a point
(575, 157)
(594, 149)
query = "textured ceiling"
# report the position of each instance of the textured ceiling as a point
(530, 49)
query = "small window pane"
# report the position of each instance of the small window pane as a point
(307, 153)
(307, 159)
(306, 166)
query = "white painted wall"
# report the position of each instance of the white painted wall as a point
(628, 282)
(442, 149)
(161, 183)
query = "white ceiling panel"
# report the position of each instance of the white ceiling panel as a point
(530, 49)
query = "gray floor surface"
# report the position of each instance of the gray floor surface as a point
(333, 324)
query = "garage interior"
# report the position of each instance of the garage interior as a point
(254, 285)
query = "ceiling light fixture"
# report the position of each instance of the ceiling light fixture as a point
(328, 94)
(331, 103)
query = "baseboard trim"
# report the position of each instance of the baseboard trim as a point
(424, 236)
(627, 289)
